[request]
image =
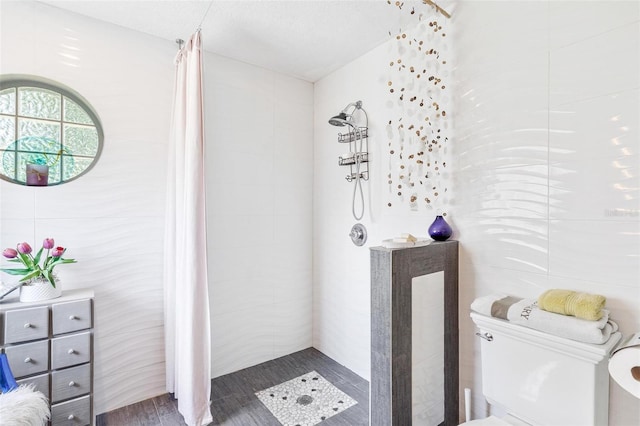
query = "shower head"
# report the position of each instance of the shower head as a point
(339, 120)
(343, 118)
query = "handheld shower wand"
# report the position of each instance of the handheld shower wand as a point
(346, 119)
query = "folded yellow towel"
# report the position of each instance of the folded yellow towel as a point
(567, 302)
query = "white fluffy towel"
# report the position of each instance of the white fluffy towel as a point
(24, 406)
(525, 312)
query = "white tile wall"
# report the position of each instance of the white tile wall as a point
(558, 191)
(259, 178)
(341, 274)
(259, 182)
(545, 162)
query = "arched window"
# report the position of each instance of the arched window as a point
(49, 134)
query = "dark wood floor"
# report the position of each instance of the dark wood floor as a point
(234, 401)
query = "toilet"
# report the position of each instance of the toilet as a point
(540, 379)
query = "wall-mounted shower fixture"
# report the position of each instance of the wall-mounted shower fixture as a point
(358, 234)
(358, 156)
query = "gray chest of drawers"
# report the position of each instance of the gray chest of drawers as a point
(50, 344)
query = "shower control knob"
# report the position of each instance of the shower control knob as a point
(358, 234)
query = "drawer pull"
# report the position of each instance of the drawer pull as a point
(27, 325)
(71, 351)
(72, 384)
(27, 360)
(73, 317)
(71, 417)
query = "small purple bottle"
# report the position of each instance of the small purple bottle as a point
(440, 229)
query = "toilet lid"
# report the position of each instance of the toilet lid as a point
(489, 421)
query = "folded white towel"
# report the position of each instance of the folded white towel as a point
(525, 312)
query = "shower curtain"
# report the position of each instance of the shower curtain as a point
(187, 337)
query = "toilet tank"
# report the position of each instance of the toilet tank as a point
(542, 379)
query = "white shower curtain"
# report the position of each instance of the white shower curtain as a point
(187, 337)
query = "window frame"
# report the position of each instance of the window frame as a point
(15, 81)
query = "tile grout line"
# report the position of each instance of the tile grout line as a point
(155, 407)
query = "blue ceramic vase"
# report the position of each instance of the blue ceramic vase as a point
(440, 229)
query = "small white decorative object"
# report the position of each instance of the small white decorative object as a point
(405, 240)
(39, 290)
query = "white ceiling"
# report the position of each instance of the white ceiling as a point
(307, 39)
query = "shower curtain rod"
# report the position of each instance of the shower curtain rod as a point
(179, 41)
(438, 8)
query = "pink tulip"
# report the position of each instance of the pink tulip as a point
(58, 251)
(10, 253)
(48, 243)
(24, 248)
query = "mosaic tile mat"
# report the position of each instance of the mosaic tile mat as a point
(305, 401)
